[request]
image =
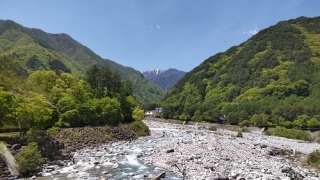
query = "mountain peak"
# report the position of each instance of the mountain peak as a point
(153, 71)
(164, 78)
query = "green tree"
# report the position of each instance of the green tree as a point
(137, 114)
(70, 118)
(66, 103)
(29, 159)
(313, 123)
(89, 113)
(128, 104)
(68, 79)
(302, 88)
(197, 116)
(103, 81)
(111, 111)
(79, 92)
(301, 121)
(127, 88)
(32, 112)
(45, 80)
(260, 120)
(92, 77)
(6, 104)
(233, 118)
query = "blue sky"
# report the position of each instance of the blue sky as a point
(146, 34)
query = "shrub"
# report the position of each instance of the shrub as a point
(29, 159)
(213, 128)
(268, 132)
(157, 115)
(140, 128)
(245, 129)
(107, 137)
(317, 138)
(176, 117)
(290, 133)
(197, 118)
(137, 114)
(239, 134)
(184, 117)
(314, 158)
(245, 123)
(34, 135)
(53, 131)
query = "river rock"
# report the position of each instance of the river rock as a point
(170, 151)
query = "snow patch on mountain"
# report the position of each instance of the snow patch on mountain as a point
(155, 71)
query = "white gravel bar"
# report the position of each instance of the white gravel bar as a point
(197, 153)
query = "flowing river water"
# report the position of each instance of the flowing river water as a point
(116, 160)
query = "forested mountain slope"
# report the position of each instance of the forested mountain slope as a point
(271, 79)
(35, 49)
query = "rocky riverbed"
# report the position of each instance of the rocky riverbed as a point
(196, 153)
(190, 152)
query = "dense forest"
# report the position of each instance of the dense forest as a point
(35, 50)
(46, 99)
(271, 79)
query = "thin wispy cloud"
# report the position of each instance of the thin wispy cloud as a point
(252, 31)
(158, 27)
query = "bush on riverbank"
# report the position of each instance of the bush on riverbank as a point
(289, 133)
(29, 159)
(213, 128)
(245, 129)
(314, 159)
(317, 138)
(140, 128)
(239, 134)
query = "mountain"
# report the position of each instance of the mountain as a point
(271, 79)
(166, 79)
(152, 73)
(35, 49)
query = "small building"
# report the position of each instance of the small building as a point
(150, 113)
(158, 110)
(154, 112)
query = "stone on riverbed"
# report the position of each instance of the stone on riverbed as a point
(170, 151)
(159, 176)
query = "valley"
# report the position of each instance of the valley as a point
(81, 116)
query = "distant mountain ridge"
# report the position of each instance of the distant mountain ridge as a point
(35, 49)
(166, 79)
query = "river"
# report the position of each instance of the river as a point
(194, 150)
(116, 160)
